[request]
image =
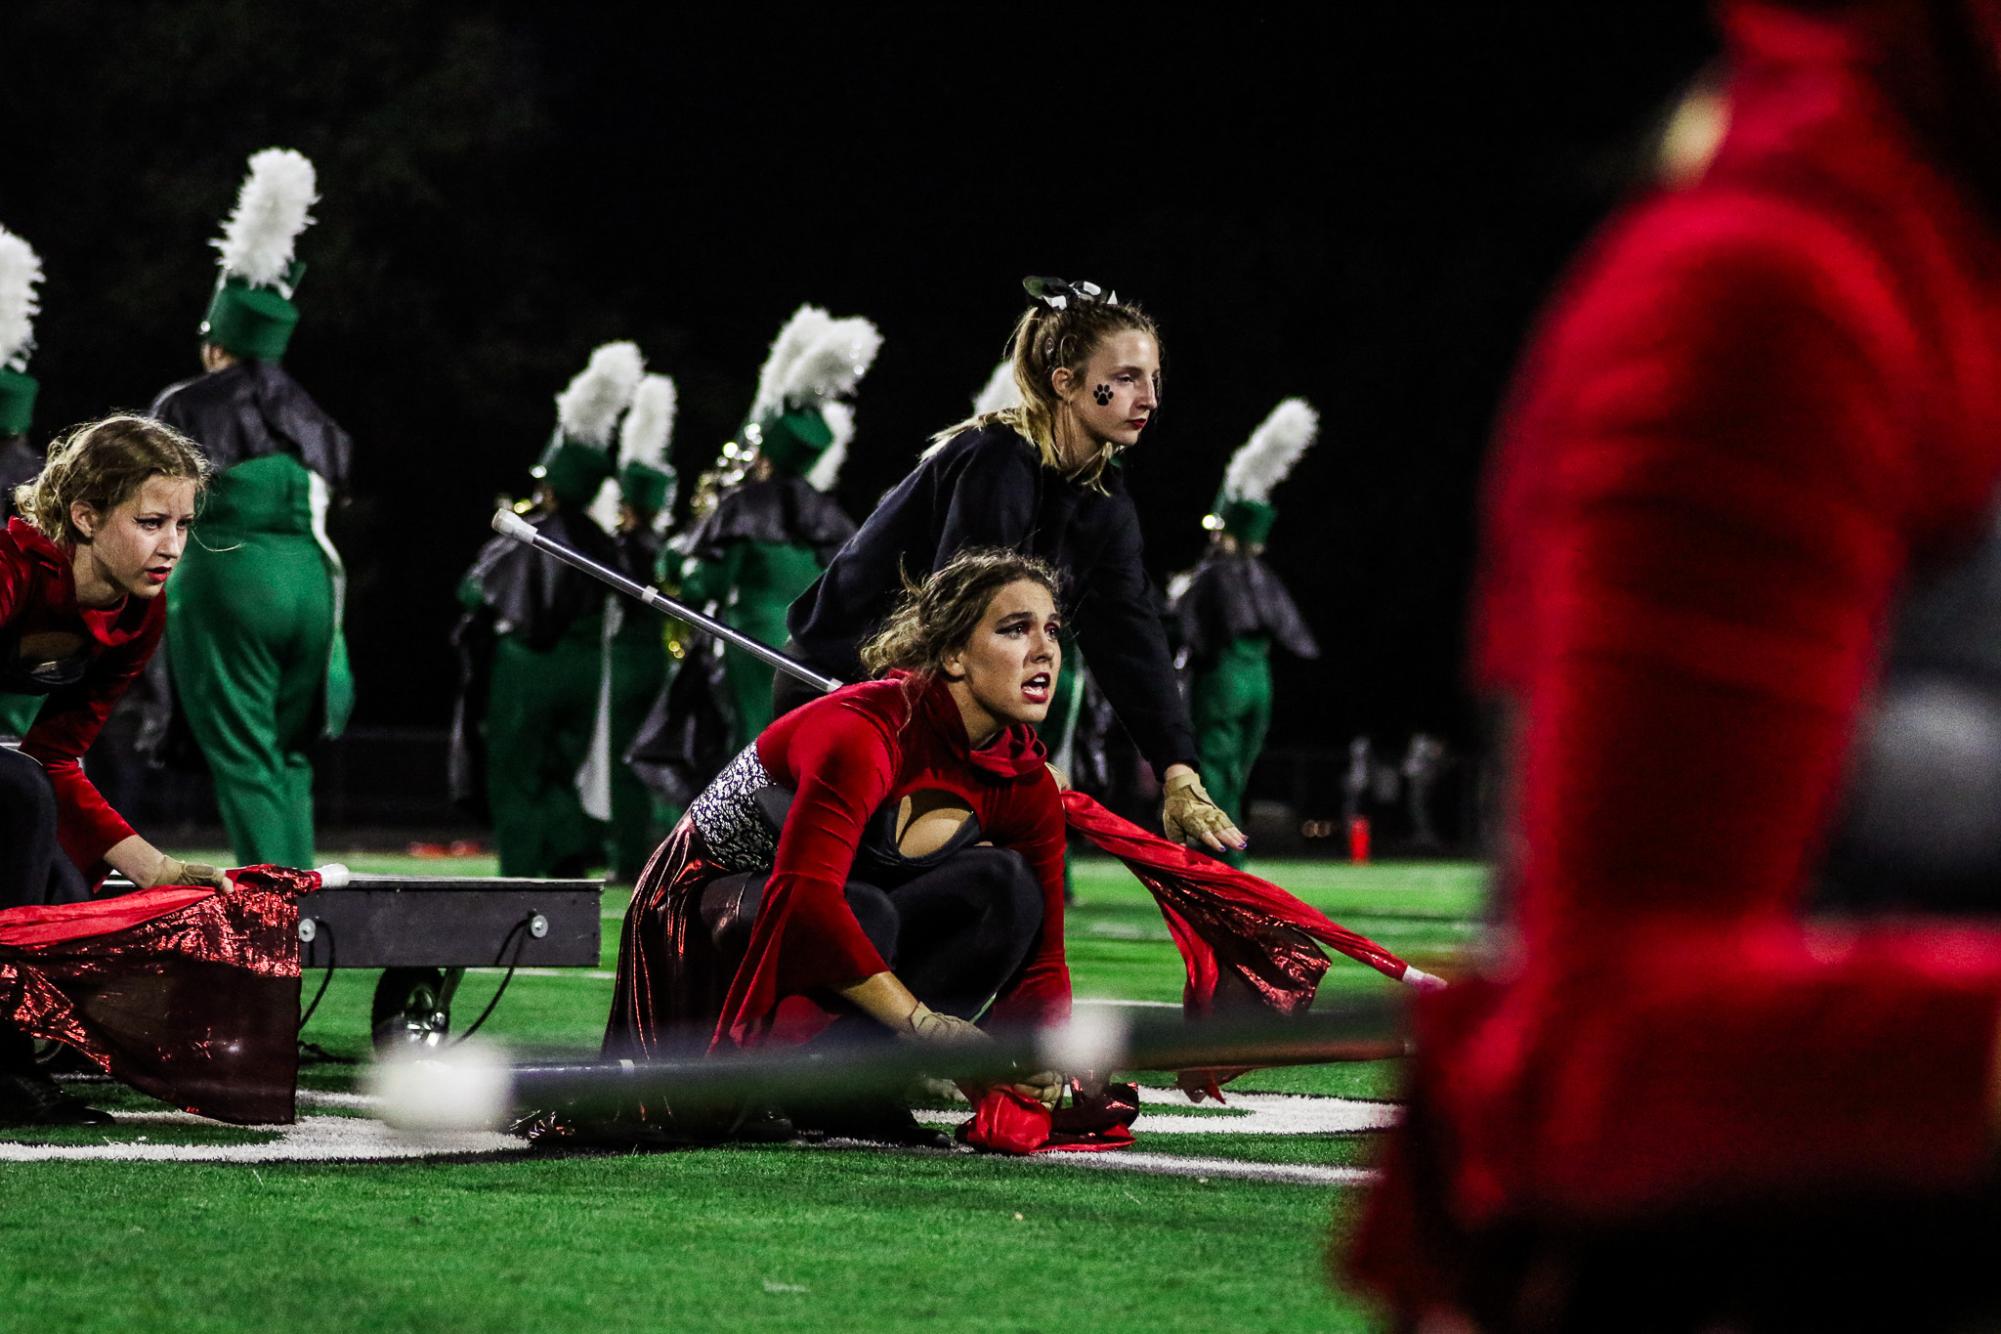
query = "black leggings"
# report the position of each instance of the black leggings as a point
(955, 933)
(33, 869)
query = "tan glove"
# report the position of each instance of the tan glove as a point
(174, 871)
(885, 999)
(1189, 814)
(927, 1025)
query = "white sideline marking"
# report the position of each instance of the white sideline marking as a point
(1154, 1164)
(1258, 1114)
(1173, 1165)
(310, 1139)
(606, 975)
(361, 1139)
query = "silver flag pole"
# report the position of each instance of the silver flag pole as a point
(511, 525)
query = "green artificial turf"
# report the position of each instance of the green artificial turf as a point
(788, 1237)
(782, 1239)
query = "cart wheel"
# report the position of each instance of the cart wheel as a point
(412, 1008)
(59, 1058)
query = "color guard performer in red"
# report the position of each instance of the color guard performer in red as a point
(888, 857)
(82, 576)
(1767, 405)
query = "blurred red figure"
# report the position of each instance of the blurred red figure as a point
(1770, 394)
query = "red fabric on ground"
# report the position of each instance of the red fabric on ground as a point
(1005, 1121)
(187, 993)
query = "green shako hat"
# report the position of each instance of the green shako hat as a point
(1243, 507)
(793, 441)
(20, 274)
(645, 477)
(251, 314)
(578, 459)
(798, 418)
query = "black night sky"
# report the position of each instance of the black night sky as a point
(1365, 208)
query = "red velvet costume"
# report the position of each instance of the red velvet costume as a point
(1765, 398)
(844, 756)
(38, 596)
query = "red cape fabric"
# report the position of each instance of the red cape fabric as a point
(187, 993)
(1245, 942)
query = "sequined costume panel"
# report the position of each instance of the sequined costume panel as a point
(736, 832)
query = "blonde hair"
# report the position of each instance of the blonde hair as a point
(1043, 340)
(104, 463)
(941, 613)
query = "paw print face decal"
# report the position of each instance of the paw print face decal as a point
(1103, 393)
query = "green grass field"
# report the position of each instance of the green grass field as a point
(1203, 1228)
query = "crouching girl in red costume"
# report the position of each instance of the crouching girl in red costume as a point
(886, 859)
(82, 573)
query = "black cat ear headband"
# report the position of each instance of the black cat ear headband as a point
(1058, 293)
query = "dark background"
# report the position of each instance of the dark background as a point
(1365, 208)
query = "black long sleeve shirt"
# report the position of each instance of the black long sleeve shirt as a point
(987, 488)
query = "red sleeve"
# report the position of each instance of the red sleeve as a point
(841, 766)
(1727, 487)
(69, 721)
(1039, 995)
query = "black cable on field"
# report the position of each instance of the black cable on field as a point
(326, 980)
(518, 933)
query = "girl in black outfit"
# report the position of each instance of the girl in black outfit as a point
(1041, 478)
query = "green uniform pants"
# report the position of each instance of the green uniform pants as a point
(755, 582)
(541, 710)
(1230, 705)
(250, 629)
(638, 671)
(17, 713)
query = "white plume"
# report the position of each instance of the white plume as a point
(588, 410)
(648, 428)
(1001, 391)
(604, 509)
(826, 470)
(807, 325)
(833, 363)
(256, 240)
(1262, 462)
(20, 271)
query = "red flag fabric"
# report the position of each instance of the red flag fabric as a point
(1245, 942)
(186, 993)
(1005, 1121)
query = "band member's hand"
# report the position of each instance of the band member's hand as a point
(1189, 814)
(173, 871)
(927, 1025)
(1062, 779)
(885, 999)
(1045, 1086)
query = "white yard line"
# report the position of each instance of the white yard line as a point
(324, 1138)
(310, 1139)
(1209, 1169)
